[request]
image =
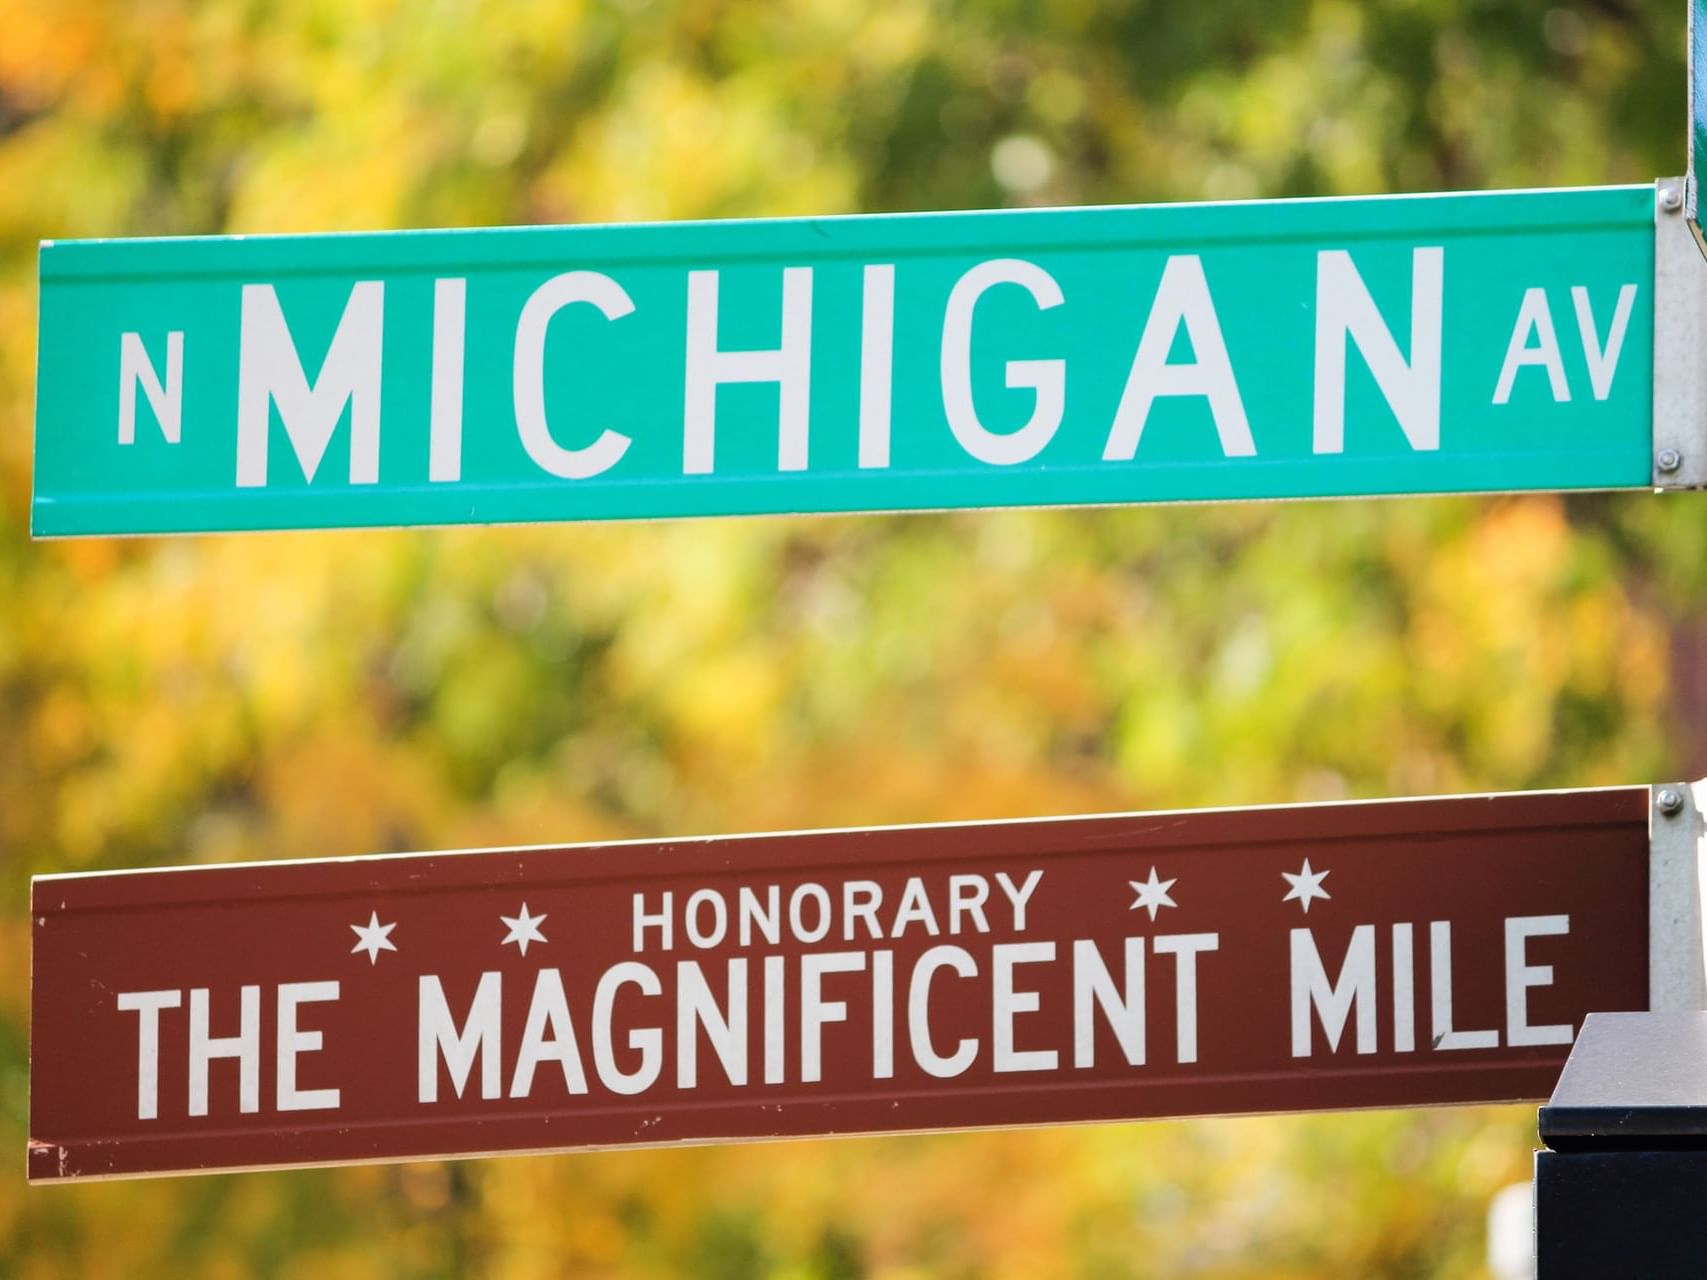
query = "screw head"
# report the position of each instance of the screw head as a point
(1668, 460)
(1671, 199)
(1669, 801)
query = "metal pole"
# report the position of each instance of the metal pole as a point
(1677, 836)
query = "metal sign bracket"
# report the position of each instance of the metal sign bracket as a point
(1677, 841)
(1680, 345)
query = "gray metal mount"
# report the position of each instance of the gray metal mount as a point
(1680, 344)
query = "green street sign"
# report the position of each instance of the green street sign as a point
(1288, 349)
(1697, 111)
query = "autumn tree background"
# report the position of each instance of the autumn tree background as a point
(208, 699)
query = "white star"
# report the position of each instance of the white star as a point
(1307, 884)
(1152, 894)
(523, 929)
(373, 937)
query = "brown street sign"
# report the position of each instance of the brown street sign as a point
(896, 979)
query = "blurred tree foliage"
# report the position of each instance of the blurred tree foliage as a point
(207, 699)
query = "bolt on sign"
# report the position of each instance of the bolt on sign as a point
(1279, 349)
(1297, 958)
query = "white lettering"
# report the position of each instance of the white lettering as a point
(967, 895)
(136, 369)
(1520, 975)
(548, 1037)
(915, 907)
(876, 354)
(1404, 995)
(1185, 947)
(860, 900)
(1181, 298)
(1046, 378)
(703, 938)
(796, 920)
(659, 921)
(918, 1012)
(1440, 982)
(245, 1046)
(882, 1015)
(789, 365)
(768, 918)
(269, 372)
(697, 1009)
(1536, 317)
(528, 380)
(438, 1034)
(147, 1006)
(444, 439)
(649, 1041)
(815, 1011)
(776, 984)
(1124, 1013)
(1333, 1004)
(1602, 362)
(1345, 309)
(293, 1041)
(1009, 1003)
(1019, 895)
